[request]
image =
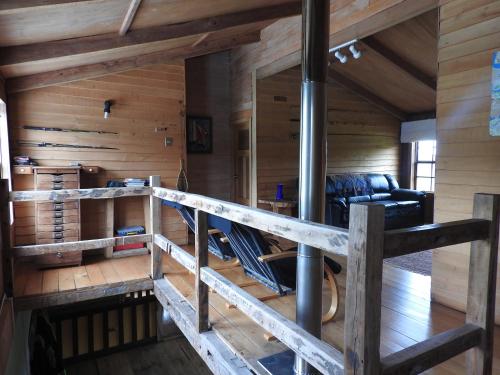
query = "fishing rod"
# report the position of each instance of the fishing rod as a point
(60, 145)
(65, 130)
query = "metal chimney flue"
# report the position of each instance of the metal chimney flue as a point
(312, 176)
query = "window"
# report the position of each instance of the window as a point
(425, 165)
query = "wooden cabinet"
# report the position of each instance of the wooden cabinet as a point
(57, 221)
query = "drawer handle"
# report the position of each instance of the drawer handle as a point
(58, 214)
(58, 235)
(58, 220)
(58, 185)
(58, 178)
(59, 228)
(58, 206)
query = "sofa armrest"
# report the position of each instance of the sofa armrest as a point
(429, 208)
(339, 201)
(407, 195)
(336, 211)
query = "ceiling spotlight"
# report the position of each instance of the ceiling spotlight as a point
(355, 52)
(107, 109)
(341, 57)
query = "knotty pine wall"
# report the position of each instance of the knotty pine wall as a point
(144, 99)
(361, 138)
(208, 95)
(468, 158)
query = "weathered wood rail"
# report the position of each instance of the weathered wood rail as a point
(365, 245)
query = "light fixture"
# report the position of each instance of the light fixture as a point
(355, 52)
(107, 108)
(341, 57)
(343, 45)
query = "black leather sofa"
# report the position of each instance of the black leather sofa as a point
(403, 207)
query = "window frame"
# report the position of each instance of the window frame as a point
(430, 162)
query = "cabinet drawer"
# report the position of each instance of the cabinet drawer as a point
(48, 170)
(68, 233)
(51, 206)
(56, 178)
(57, 214)
(57, 227)
(58, 220)
(47, 185)
(58, 259)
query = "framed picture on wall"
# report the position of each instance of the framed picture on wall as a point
(199, 135)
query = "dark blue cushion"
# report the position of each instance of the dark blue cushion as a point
(380, 197)
(407, 195)
(393, 183)
(378, 183)
(358, 199)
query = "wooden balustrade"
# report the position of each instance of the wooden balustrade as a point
(366, 244)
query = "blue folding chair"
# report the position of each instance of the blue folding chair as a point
(215, 245)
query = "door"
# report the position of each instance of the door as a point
(242, 160)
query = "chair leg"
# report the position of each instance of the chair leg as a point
(334, 305)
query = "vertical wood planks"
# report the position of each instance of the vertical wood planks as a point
(364, 290)
(110, 225)
(482, 284)
(155, 225)
(201, 255)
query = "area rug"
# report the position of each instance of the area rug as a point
(419, 262)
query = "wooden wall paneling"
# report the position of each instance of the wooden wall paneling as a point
(467, 156)
(361, 138)
(144, 99)
(208, 95)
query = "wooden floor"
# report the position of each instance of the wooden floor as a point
(408, 316)
(173, 357)
(97, 277)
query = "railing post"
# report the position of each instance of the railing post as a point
(364, 289)
(201, 254)
(155, 225)
(482, 284)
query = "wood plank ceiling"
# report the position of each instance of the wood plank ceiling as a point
(39, 36)
(398, 68)
(50, 41)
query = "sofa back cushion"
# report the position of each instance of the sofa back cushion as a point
(393, 183)
(378, 183)
(347, 185)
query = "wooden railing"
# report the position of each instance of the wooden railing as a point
(72, 194)
(365, 245)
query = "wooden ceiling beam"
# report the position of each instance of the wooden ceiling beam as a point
(14, 5)
(391, 56)
(336, 77)
(100, 69)
(129, 17)
(49, 50)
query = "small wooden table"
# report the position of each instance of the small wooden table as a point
(281, 205)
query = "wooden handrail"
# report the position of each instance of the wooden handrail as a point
(332, 240)
(429, 353)
(406, 241)
(63, 247)
(65, 194)
(176, 252)
(318, 353)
